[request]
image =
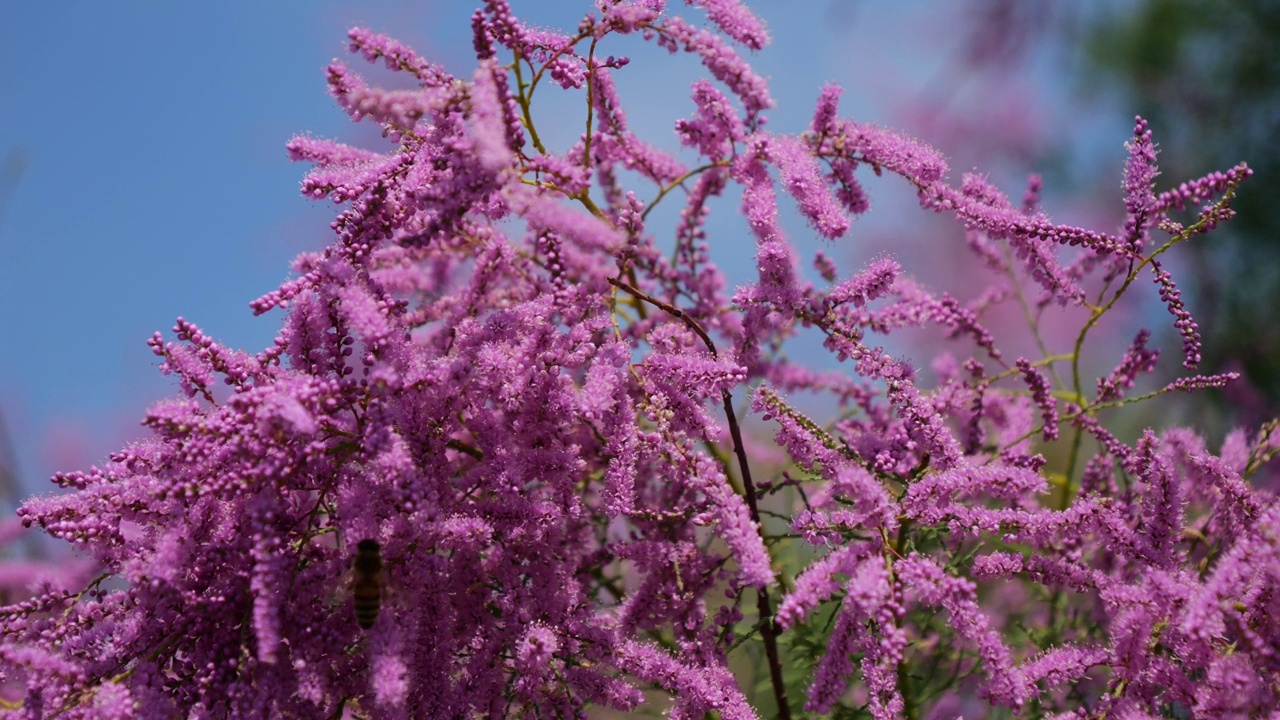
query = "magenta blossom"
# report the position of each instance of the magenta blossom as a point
(495, 463)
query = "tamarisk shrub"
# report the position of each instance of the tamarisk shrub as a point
(531, 400)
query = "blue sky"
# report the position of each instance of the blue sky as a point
(145, 176)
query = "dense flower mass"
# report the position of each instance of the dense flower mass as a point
(495, 463)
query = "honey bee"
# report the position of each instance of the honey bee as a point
(366, 582)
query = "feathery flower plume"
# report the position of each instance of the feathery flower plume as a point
(497, 461)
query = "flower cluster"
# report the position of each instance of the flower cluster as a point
(494, 464)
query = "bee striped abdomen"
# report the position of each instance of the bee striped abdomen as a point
(366, 582)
